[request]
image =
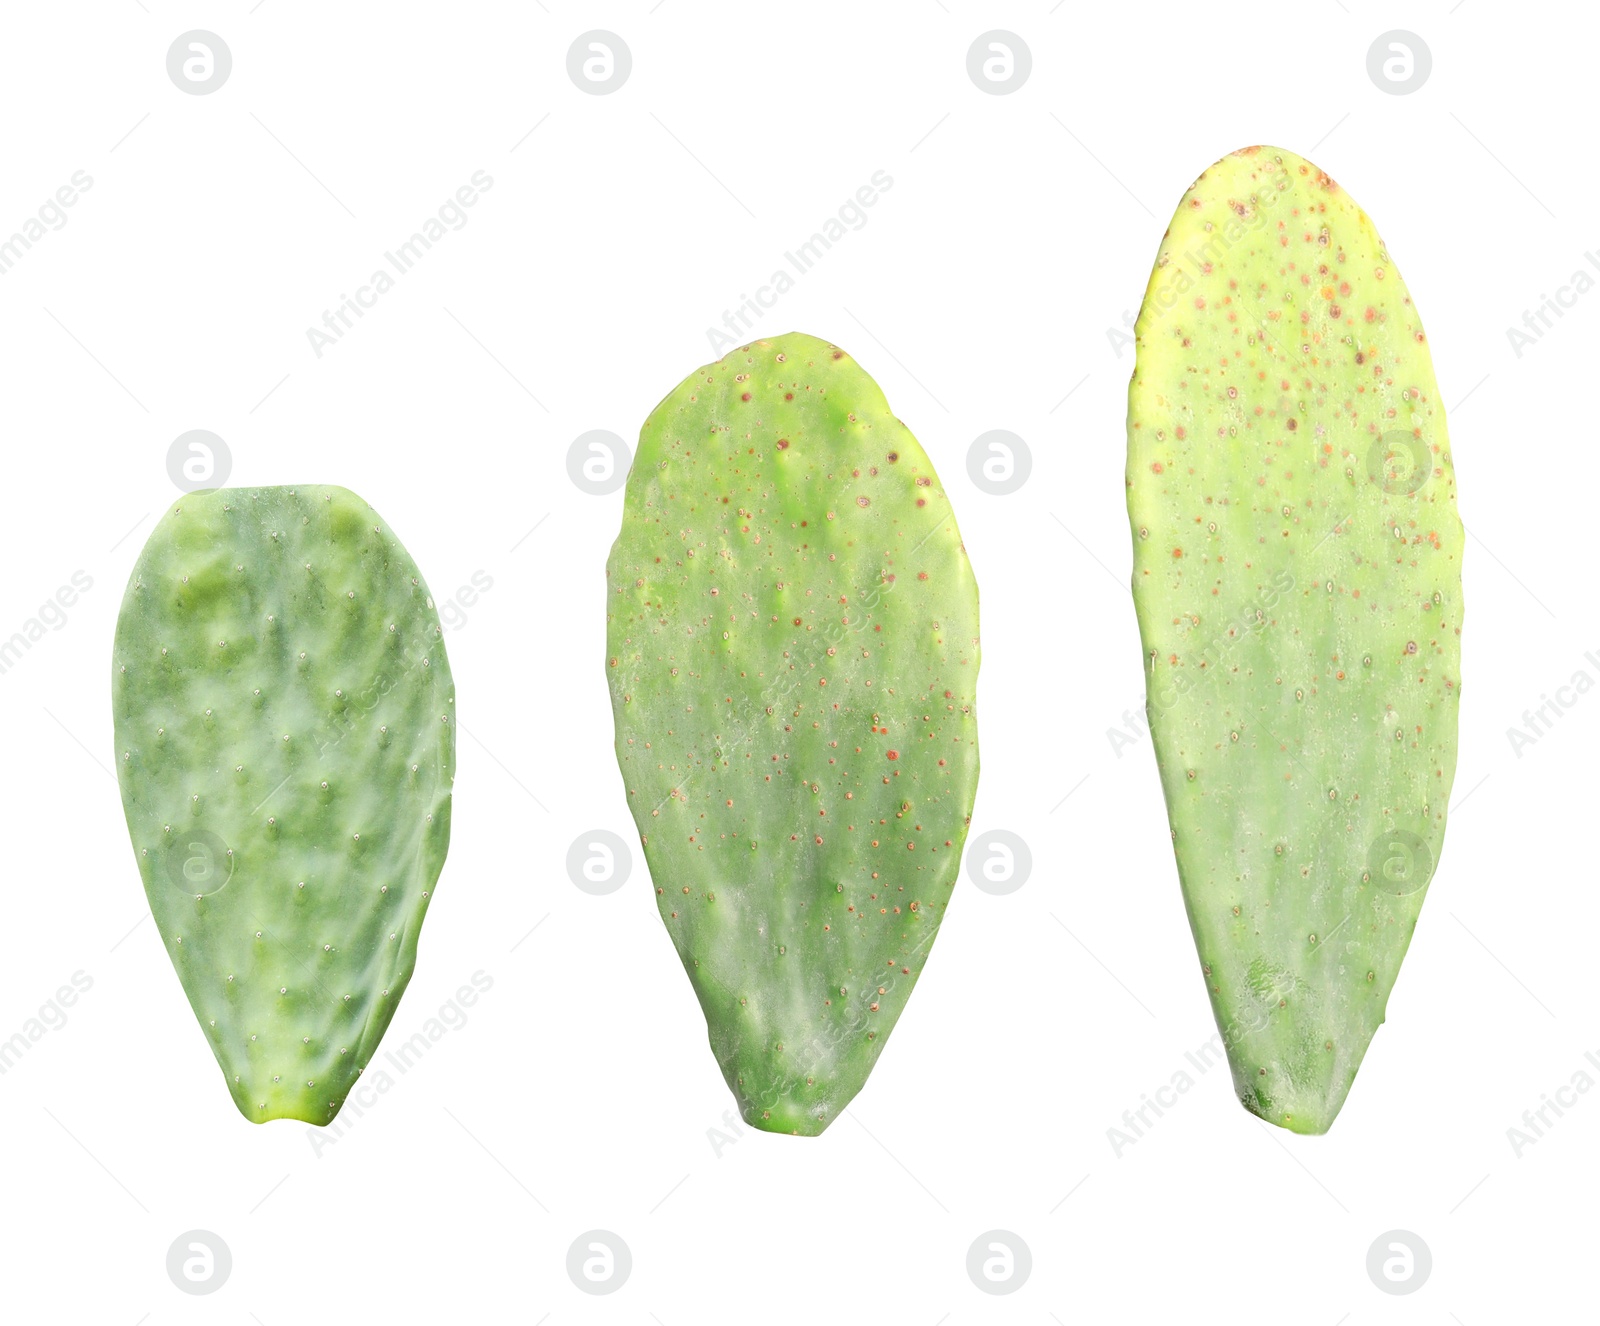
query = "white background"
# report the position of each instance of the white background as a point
(580, 1093)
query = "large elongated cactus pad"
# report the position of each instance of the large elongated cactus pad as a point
(1297, 574)
(793, 650)
(285, 725)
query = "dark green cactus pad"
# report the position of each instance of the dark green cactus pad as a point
(793, 651)
(1297, 575)
(285, 726)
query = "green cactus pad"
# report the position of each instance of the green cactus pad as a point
(1297, 575)
(793, 652)
(285, 726)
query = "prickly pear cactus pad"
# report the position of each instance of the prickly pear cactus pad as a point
(1297, 575)
(793, 650)
(285, 725)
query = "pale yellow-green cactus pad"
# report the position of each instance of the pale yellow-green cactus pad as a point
(1297, 576)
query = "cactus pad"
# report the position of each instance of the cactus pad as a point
(1297, 575)
(793, 652)
(285, 727)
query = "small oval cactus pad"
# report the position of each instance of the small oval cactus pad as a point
(285, 726)
(793, 650)
(1297, 575)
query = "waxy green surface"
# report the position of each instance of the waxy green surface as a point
(285, 728)
(792, 633)
(1297, 575)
